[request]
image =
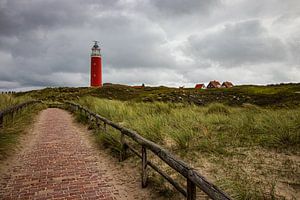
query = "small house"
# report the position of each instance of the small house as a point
(227, 84)
(214, 84)
(199, 86)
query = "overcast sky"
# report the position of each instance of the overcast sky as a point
(156, 42)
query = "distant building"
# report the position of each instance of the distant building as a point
(199, 86)
(227, 84)
(214, 84)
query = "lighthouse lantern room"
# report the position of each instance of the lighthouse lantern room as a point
(96, 66)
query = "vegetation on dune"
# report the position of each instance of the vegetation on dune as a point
(246, 138)
(283, 95)
(7, 100)
(224, 125)
(228, 139)
(15, 127)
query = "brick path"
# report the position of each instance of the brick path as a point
(58, 165)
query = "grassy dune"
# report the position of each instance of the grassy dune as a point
(251, 152)
(283, 95)
(13, 129)
(245, 139)
(7, 100)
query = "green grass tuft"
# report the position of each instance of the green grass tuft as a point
(217, 132)
(13, 129)
(217, 108)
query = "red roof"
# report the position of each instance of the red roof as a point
(201, 85)
(214, 84)
(227, 84)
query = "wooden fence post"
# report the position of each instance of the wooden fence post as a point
(97, 123)
(144, 167)
(123, 148)
(90, 117)
(1, 120)
(191, 190)
(104, 127)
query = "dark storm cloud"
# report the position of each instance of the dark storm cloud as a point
(47, 43)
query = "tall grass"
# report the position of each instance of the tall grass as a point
(187, 126)
(216, 132)
(7, 100)
(217, 108)
(14, 128)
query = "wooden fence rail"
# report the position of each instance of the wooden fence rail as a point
(7, 92)
(193, 178)
(12, 110)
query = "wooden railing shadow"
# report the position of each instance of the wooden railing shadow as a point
(193, 178)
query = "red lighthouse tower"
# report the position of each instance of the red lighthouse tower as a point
(96, 66)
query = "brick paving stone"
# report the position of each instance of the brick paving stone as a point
(59, 165)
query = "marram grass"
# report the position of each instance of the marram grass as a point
(13, 129)
(215, 133)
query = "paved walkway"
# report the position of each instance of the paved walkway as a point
(58, 164)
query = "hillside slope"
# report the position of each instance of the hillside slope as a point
(273, 95)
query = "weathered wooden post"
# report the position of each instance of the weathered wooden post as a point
(191, 189)
(1, 120)
(104, 127)
(144, 167)
(89, 117)
(97, 122)
(123, 147)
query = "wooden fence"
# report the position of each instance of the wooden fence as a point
(11, 111)
(193, 178)
(7, 92)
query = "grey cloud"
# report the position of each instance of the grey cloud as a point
(127, 42)
(176, 8)
(47, 43)
(236, 44)
(17, 17)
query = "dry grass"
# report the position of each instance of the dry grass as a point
(245, 150)
(14, 128)
(7, 100)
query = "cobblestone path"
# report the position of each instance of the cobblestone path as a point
(58, 164)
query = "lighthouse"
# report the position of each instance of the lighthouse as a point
(96, 66)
